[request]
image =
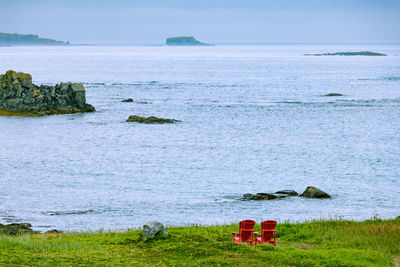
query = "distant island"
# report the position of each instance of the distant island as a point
(11, 39)
(361, 53)
(184, 41)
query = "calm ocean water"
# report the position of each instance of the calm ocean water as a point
(253, 120)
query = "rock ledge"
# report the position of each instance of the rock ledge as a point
(19, 97)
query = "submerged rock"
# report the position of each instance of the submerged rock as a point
(261, 196)
(333, 94)
(16, 228)
(150, 120)
(154, 230)
(287, 192)
(313, 192)
(19, 97)
(127, 100)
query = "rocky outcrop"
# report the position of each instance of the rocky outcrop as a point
(18, 96)
(287, 192)
(259, 196)
(16, 228)
(150, 120)
(154, 230)
(313, 192)
(127, 100)
(310, 192)
(270, 196)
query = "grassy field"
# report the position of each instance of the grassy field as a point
(318, 243)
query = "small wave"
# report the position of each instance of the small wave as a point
(11, 219)
(343, 102)
(97, 123)
(72, 212)
(388, 78)
(232, 197)
(93, 83)
(290, 102)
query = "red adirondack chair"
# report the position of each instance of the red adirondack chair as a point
(246, 232)
(268, 233)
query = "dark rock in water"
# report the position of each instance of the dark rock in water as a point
(313, 192)
(150, 120)
(333, 94)
(16, 228)
(287, 192)
(54, 231)
(127, 100)
(154, 230)
(19, 97)
(260, 196)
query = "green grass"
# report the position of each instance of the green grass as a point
(317, 243)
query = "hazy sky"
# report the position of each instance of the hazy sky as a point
(213, 21)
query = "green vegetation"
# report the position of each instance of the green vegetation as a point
(317, 243)
(8, 39)
(184, 40)
(44, 113)
(361, 53)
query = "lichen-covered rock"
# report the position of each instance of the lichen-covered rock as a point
(18, 96)
(149, 120)
(313, 192)
(16, 228)
(154, 230)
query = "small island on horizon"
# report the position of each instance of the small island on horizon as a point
(184, 41)
(13, 39)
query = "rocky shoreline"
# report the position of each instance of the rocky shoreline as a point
(20, 228)
(20, 97)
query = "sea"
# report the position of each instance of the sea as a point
(254, 118)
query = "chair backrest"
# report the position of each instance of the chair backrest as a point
(246, 230)
(268, 225)
(247, 225)
(267, 230)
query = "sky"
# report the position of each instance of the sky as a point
(129, 22)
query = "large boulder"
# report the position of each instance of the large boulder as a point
(154, 230)
(16, 228)
(18, 96)
(313, 192)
